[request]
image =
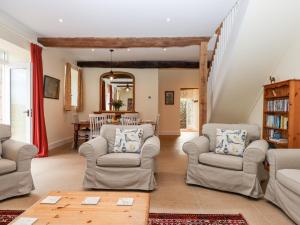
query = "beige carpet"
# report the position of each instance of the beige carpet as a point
(64, 170)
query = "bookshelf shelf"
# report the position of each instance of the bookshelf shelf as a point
(281, 114)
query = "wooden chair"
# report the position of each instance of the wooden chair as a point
(130, 119)
(96, 122)
(83, 133)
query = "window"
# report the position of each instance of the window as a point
(73, 88)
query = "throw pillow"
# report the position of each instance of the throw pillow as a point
(128, 140)
(231, 142)
(0, 150)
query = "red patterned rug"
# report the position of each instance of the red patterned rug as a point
(196, 219)
(6, 216)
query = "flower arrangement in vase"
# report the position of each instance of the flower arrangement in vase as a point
(117, 104)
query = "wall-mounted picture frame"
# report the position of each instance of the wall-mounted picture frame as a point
(169, 97)
(51, 87)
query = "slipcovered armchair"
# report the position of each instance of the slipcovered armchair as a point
(105, 170)
(226, 172)
(284, 184)
(15, 165)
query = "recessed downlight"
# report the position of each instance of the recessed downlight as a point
(128, 49)
(92, 49)
(168, 19)
(60, 20)
(164, 49)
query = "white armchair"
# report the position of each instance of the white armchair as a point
(226, 172)
(107, 170)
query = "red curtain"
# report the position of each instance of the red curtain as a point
(38, 118)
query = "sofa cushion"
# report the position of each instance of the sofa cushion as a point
(290, 178)
(0, 149)
(223, 161)
(108, 131)
(5, 132)
(210, 130)
(128, 140)
(119, 160)
(230, 142)
(7, 166)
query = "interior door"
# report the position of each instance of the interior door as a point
(21, 102)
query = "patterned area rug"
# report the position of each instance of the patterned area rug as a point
(6, 216)
(196, 219)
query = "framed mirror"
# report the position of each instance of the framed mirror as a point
(117, 92)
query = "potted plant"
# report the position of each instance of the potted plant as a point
(117, 104)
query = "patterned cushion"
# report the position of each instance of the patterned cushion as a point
(128, 140)
(231, 142)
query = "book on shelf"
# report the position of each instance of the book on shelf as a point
(281, 105)
(277, 121)
(281, 140)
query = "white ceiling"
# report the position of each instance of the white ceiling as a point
(122, 18)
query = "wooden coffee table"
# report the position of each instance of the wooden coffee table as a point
(69, 210)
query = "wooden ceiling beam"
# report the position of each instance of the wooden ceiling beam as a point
(140, 64)
(126, 42)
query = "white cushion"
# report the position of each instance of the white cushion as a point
(231, 142)
(128, 140)
(119, 160)
(7, 166)
(290, 178)
(222, 161)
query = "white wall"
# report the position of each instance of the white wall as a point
(146, 85)
(174, 80)
(288, 68)
(58, 122)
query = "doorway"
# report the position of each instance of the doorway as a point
(189, 110)
(15, 101)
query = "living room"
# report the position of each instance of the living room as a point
(117, 123)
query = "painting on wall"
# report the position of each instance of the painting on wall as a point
(130, 104)
(169, 97)
(51, 87)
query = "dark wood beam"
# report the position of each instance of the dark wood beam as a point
(126, 42)
(140, 64)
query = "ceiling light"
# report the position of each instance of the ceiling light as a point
(92, 49)
(164, 49)
(168, 20)
(128, 49)
(60, 20)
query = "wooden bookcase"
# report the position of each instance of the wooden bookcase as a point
(281, 114)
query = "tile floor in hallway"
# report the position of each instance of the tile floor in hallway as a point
(64, 170)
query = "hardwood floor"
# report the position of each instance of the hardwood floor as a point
(64, 170)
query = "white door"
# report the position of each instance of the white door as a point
(20, 102)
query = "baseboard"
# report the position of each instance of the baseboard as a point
(176, 133)
(59, 143)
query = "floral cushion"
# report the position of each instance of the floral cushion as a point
(128, 140)
(231, 142)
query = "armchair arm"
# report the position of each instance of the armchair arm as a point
(254, 154)
(283, 159)
(195, 147)
(19, 152)
(93, 149)
(150, 149)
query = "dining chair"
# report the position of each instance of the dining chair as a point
(109, 117)
(83, 133)
(96, 122)
(129, 119)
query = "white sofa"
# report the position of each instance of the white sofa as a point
(15, 165)
(284, 184)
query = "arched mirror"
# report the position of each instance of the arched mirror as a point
(117, 91)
